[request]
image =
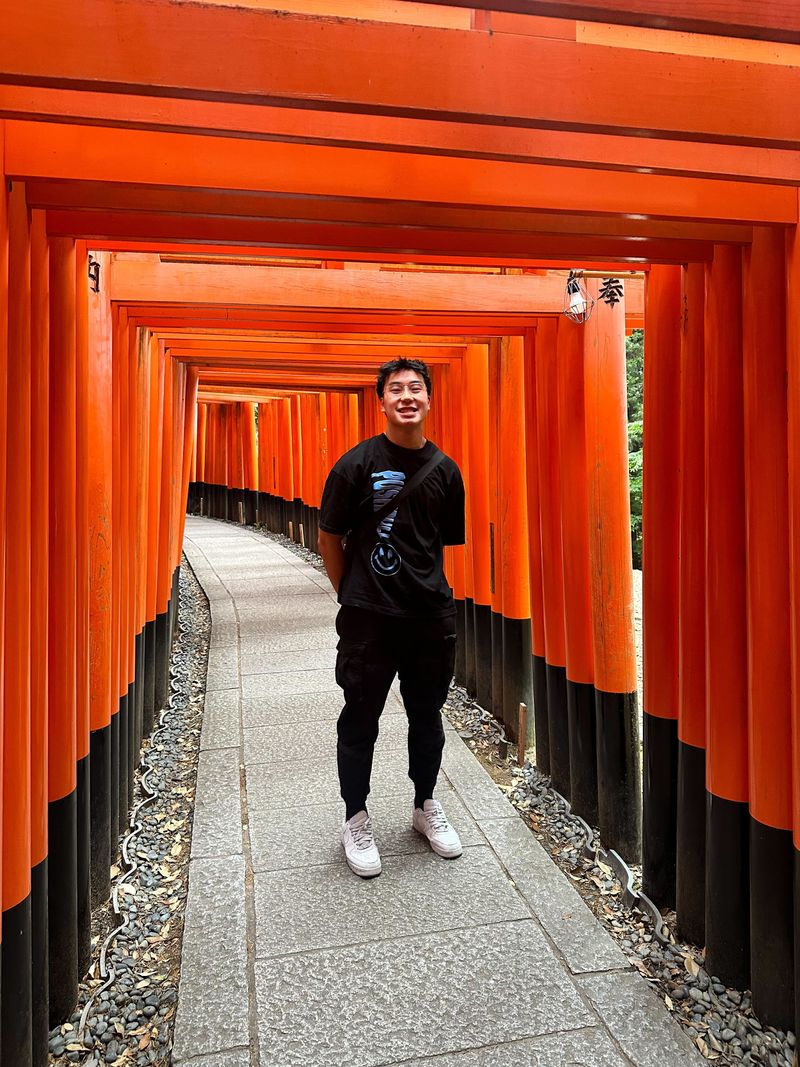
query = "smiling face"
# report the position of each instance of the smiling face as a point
(405, 400)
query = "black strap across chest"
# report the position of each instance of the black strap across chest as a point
(376, 517)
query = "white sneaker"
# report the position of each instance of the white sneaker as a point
(360, 849)
(431, 821)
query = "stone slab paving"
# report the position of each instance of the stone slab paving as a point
(289, 959)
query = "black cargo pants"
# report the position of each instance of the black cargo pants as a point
(372, 649)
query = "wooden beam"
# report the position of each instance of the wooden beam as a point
(395, 133)
(766, 20)
(158, 159)
(327, 64)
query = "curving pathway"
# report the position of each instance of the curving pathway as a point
(289, 960)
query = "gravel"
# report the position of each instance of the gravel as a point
(125, 1011)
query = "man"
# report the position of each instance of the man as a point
(397, 615)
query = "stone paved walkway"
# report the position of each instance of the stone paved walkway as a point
(289, 960)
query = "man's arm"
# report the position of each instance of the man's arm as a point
(332, 551)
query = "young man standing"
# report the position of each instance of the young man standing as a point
(397, 615)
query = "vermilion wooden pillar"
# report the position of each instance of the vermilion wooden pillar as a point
(297, 465)
(62, 816)
(119, 721)
(164, 576)
(477, 405)
(3, 414)
(690, 885)
(514, 535)
(769, 673)
(100, 487)
(552, 560)
(538, 660)
(495, 540)
(82, 605)
(17, 1005)
(618, 759)
(727, 826)
(793, 383)
(575, 550)
(660, 525)
(40, 547)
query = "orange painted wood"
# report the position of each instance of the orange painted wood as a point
(610, 565)
(156, 366)
(16, 784)
(164, 576)
(394, 133)
(62, 518)
(546, 369)
(661, 491)
(574, 509)
(511, 476)
(99, 414)
(692, 563)
(3, 438)
(82, 687)
(532, 492)
(141, 473)
(117, 326)
(40, 546)
(793, 384)
(763, 19)
(726, 607)
(339, 65)
(766, 506)
(66, 151)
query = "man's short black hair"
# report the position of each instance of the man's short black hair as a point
(395, 365)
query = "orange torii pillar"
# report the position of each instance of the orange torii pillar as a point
(727, 825)
(496, 699)
(249, 462)
(793, 380)
(63, 812)
(611, 571)
(196, 502)
(297, 466)
(235, 483)
(538, 660)
(690, 882)
(40, 547)
(575, 560)
(3, 415)
(99, 414)
(660, 525)
(283, 409)
(17, 1006)
(768, 636)
(513, 515)
(165, 572)
(137, 374)
(178, 496)
(141, 425)
(150, 431)
(82, 723)
(479, 610)
(262, 438)
(119, 722)
(552, 552)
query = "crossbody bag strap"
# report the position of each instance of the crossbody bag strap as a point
(377, 517)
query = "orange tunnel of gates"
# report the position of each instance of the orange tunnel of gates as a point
(195, 296)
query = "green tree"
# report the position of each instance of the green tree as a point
(634, 353)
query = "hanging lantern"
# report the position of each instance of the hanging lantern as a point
(578, 304)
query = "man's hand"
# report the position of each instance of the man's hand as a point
(332, 551)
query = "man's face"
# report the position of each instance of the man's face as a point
(405, 400)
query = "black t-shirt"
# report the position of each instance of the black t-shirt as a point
(395, 569)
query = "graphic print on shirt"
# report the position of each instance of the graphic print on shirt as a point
(385, 558)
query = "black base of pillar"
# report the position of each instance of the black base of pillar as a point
(517, 682)
(659, 808)
(161, 661)
(114, 799)
(582, 750)
(483, 654)
(728, 891)
(690, 875)
(540, 717)
(459, 670)
(149, 676)
(84, 856)
(469, 648)
(16, 1006)
(40, 1023)
(558, 728)
(133, 748)
(100, 835)
(139, 687)
(122, 780)
(62, 907)
(619, 791)
(772, 924)
(496, 705)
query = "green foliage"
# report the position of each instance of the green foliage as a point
(634, 351)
